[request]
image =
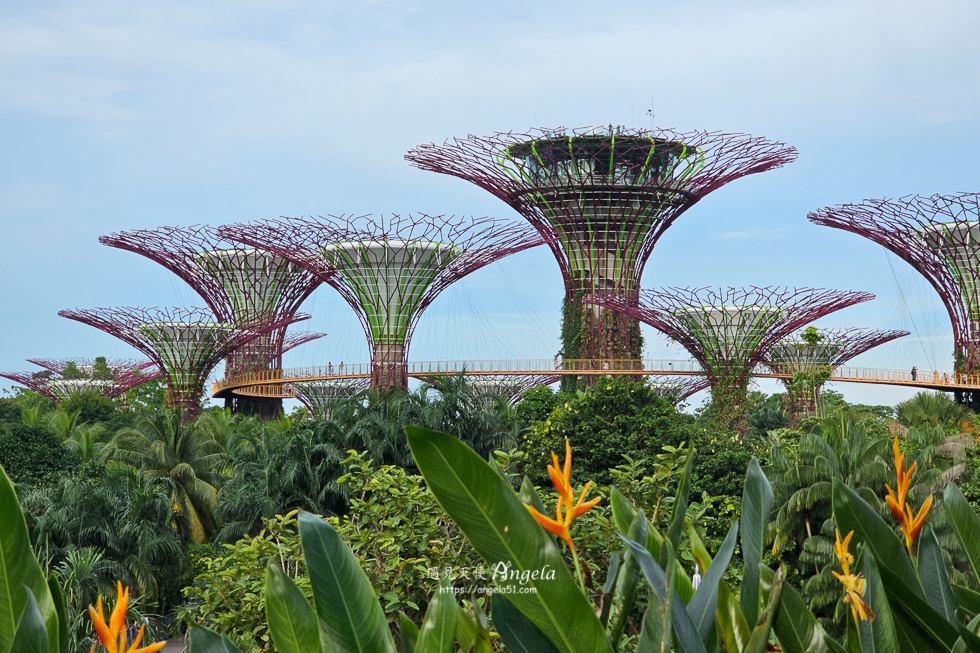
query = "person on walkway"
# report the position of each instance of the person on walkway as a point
(915, 371)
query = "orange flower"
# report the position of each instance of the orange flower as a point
(853, 583)
(113, 634)
(560, 478)
(911, 523)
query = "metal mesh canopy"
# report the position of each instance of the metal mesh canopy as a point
(88, 367)
(512, 386)
(57, 387)
(389, 269)
(186, 343)
(729, 330)
(939, 236)
(835, 347)
(321, 396)
(236, 282)
(602, 196)
(678, 387)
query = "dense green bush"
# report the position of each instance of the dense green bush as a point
(616, 417)
(33, 454)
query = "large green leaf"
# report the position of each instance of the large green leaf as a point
(64, 639)
(438, 632)
(530, 497)
(877, 634)
(759, 637)
(656, 577)
(292, 620)
(20, 573)
(517, 631)
(203, 640)
(935, 580)
(31, 635)
(626, 584)
(967, 600)
(852, 513)
(797, 630)
(656, 624)
(410, 633)
(915, 620)
(965, 523)
(680, 503)
(756, 505)
(703, 606)
(731, 623)
(503, 532)
(344, 598)
(624, 512)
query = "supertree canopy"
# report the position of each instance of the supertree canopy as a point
(63, 378)
(236, 282)
(320, 397)
(678, 387)
(511, 387)
(939, 236)
(389, 269)
(811, 356)
(729, 330)
(186, 343)
(602, 197)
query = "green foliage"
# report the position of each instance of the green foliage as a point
(33, 455)
(616, 417)
(91, 406)
(538, 403)
(933, 409)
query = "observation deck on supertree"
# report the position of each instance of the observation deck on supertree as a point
(63, 378)
(389, 269)
(816, 357)
(187, 343)
(729, 330)
(602, 197)
(939, 236)
(235, 282)
(321, 397)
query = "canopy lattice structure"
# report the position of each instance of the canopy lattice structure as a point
(811, 360)
(236, 282)
(729, 330)
(679, 387)
(62, 378)
(320, 397)
(388, 268)
(187, 343)
(602, 198)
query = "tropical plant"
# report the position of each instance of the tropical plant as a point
(933, 409)
(181, 457)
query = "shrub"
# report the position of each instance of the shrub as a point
(33, 454)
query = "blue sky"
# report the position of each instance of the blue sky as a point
(121, 115)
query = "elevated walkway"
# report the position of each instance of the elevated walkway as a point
(275, 383)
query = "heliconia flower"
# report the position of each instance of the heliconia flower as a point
(853, 583)
(560, 478)
(113, 634)
(910, 523)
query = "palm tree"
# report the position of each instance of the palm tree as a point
(180, 456)
(932, 408)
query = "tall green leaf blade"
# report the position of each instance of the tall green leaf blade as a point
(935, 581)
(759, 637)
(31, 635)
(965, 524)
(626, 584)
(967, 600)
(703, 606)
(797, 630)
(731, 623)
(438, 632)
(344, 598)
(756, 505)
(202, 640)
(914, 617)
(686, 631)
(530, 497)
(878, 635)
(652, 632)
(624, 512)
(20, 572)
(851, 513)
(292, 620)
(517, 631)
(64, 641)
(503, 532)
(680, 502)
(410, 634)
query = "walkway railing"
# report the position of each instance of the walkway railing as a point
(249, 384)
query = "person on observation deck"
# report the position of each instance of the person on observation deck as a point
(915, 371)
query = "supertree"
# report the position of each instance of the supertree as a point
(677, 388)
(810, 356)
(110, 381)
(320, 397)
(237, 283)
(511, 386)
(602, 197)
(729, 330)
(389, 268)
(187, 343)
(939, 236)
